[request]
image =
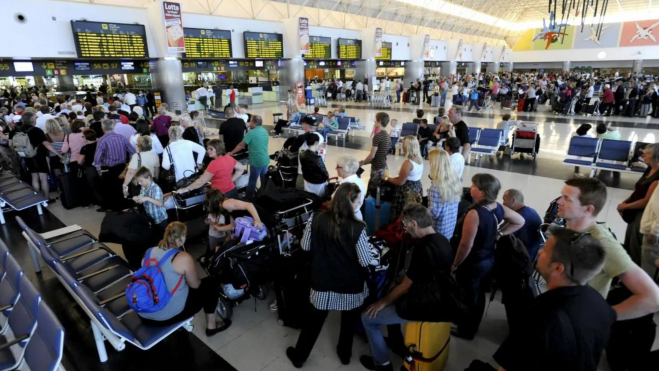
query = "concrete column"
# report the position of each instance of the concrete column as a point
(290, 73)
(637, 66)
(365, 70)
(474, 67)
(167, 77)
(414, 70)
(65, 83)
(449, 68)
(492, 67)
(508, 67)
(566, 66)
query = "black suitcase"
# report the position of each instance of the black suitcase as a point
(292, 286)
(70, 191)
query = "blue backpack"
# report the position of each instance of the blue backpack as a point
(147, 291)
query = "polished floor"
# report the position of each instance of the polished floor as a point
(256, 341)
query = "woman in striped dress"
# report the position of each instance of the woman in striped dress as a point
(340, 254)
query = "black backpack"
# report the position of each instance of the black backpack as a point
(512, 263)
(552, 212)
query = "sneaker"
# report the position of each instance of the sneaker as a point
(273, 306)
(369, 364)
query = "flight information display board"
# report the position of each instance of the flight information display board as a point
(350, 49)
(320, 48)
(386, 51)
(263, 45)
(109, 40)
(204, 43)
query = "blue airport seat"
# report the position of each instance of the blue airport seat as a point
(342, 131)
(9, 292)
(23, 322)
(473, 134)
(45, 350)
(488, 142)
(18, 196)
(408, 128)
(615, 151)
(582, 150)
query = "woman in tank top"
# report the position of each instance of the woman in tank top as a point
(475, 237)
(192, 293)
(409, 175)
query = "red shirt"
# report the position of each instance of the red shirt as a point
(222, 170)
(232, 97)
(124, 119)
(607, 97)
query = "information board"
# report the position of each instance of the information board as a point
(204, 43)
(320, 48)
(350, 49)
(386, 52)
(263, 45)
(109, 40)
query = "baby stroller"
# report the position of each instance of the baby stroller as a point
(243, 271)
(285, 172)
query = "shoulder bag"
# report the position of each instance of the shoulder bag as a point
(168, 177)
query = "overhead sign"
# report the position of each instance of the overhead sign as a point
(109, 40)
(205, 43)
(350, 49)
(263, 45)
(426, 47)
(386, 54)
(378, 42)
(303, 30)
(173, 27)
(319, 48)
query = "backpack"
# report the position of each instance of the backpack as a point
(512, 262)
(22, 144)
(552, 212)
(147, 291)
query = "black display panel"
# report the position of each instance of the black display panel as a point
(350, 49)
(386, 52)
(263, 45)
(109, 40)
(205, 43)
(319, 48)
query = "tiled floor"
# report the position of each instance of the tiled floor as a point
(257, 342)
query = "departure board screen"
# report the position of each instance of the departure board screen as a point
(109, 40)
(319, 48)
(263, 45)
(350, 49)
(386, 51)
(204, 43)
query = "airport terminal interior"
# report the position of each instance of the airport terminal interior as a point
(234, 139)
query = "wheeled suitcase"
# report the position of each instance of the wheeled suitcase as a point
(376, 216)
(70, 191)
(428, 343)
(292, 285)
(520, 104)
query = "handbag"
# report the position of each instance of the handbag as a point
(168, 177)
(66, 157)
(187, 180)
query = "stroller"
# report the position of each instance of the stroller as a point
(243, 271)
(285, 172)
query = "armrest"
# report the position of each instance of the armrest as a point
(14, 342)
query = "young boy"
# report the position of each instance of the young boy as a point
(424, 136)
(152, 198)
(395, 133)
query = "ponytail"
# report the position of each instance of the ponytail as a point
(173, 233)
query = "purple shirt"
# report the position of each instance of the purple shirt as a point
(112, 149)
(162, 124)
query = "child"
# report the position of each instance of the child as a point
(395, 133)
(152, 198)
(217, 228)
(424, 137)
(329, 125)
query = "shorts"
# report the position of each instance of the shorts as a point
(37, 164)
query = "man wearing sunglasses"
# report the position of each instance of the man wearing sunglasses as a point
(568, 326)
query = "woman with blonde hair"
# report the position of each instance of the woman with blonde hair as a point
(444, 192)
(189, 293)
(64, 123)
(409, 175)
(55, 136)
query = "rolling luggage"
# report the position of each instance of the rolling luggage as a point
(428, 343)
(520, 104)
(70, 191)
(377, 214)
(292, 286)
(406, 97)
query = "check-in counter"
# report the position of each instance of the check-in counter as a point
(255, 95)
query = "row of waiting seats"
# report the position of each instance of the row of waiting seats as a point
(605, 154)
(347, 125)
(96, 278)
(30, 333)
(18, 195)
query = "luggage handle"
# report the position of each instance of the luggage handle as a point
(417, 356)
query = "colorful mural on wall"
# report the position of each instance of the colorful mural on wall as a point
(638, 33)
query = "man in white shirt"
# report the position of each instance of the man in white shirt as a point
(241, 113)
(201, 95)
(591, 90)
(45, 116)
(65, 109)
(453, 148)
(77, 106)
(131, 100)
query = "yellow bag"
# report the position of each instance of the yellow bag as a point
(428, 343)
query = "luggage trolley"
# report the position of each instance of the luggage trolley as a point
(525, 140)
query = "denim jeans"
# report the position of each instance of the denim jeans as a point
(442, 102)
(393, 145)
(472, 103)
(325, 130)
(254, 173)
(373, 328)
